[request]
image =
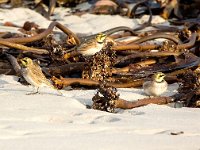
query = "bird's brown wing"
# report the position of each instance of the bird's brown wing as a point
(86, 45)
(37, 71)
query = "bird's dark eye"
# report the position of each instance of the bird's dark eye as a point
(161, 75)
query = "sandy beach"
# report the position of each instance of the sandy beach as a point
(48, 121)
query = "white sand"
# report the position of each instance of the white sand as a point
(50, 122)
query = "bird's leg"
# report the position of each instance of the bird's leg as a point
(34, 92)
(37, 90)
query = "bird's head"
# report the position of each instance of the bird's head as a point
(100, 38)
(159, 77)
(25, 62)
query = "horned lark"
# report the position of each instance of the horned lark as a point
(32, 73)
(156, 86)
(91, 46)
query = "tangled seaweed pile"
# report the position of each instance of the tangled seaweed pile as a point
(189, 90)
(106, 101)
(99, 66)
(123, 62)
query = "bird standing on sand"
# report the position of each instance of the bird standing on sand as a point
(32, 73)
(156, 86)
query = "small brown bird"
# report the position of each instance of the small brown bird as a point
(156, 86)
(92, 46)
(32, 73)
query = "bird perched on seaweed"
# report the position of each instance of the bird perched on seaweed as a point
(91, 46)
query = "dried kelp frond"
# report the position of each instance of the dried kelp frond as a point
(189, 9)
(180, 8)
(104, 98)
(70, 3)
(105, 7)
(30, 28)
(189, 90)
(99, 66)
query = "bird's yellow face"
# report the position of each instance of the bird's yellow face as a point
(100, 38)
(159, 77)
(26, 62)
